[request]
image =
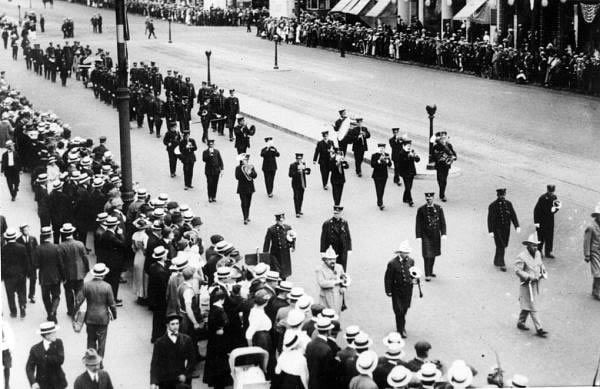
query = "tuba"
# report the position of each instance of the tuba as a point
(247, 170)
(291, 236)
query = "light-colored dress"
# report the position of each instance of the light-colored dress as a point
(139, 242)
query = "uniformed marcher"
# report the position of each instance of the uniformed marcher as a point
(430, 228)
(232, 109)
(171, 141)
(359, 135)
(399, 284)
(242, 135)
(245, 175)
(342, 127)
(530, 269)
(322, 155)
(187, 148)
(500, 215)
(337, 165)
(213, 169)
(405, 167)
(444, 155)
(335, 233)
(206, 116)
(543, 217)
(280, 239)
(591, 250)
(380, 162)
(298, 172)
(269, 166)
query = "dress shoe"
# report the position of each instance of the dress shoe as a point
(427, 278)
(245, 221)
(270, 194)
(359, 174)
(550, 256)
(399, 183)
(185, 188)
(119, 302)
(297, 215)
(173, 174)
(122, 280)
(541, 333)
(503, 268)
(191, 186)
(444, 199)
(22, 313)
(522, 327)
(325, 187)
(301, 213)
(32, 300)
(433, 275)
(382, 207)
(13, 315)
(403, 334)
(411, 204)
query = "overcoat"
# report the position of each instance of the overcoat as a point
(529, 266)
(591, 248)
(330, 294)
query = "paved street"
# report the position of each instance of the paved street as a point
(506, 136)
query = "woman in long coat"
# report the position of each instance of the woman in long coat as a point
(216, 369)
(139, 242)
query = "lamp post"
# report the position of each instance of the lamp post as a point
(170, 41)
(123, 103)
(29, 3)
(275, 39)
(208, 53)
(19, 7)
(431, 113)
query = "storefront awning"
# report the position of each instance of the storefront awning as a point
(380, 9)
(469, 9)
(358, 8)
(341, 5)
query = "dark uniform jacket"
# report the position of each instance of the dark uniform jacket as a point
(396, 146)
(232, 106)
(171, 140)
(187, 149)
(441, 152)
(542, 213)
(430, 225)
(242, 137)
(398, 282)
(298, 176)
(322, 155)
(500, 214)
(380, 169)
(46, 258)
(244, 185)
(335, 233)
(359, 145)
(269, 155)
(44, 367)
(15, 264)
(406, 163)
(213, 162)
(169, 360)
(337, 171)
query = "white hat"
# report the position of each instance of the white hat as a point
(429, 373)
(47, 328)
(241, 156)
(159, 252)
(362, 341)
(329, 313)
(596, 210)
(393, 338)
(10, 234)
(394, 352)
(100, 270)
(460, 375)
(404, 247)
(261, 269)
(295, 317)
(399, 377)
(323, 324)
(290, 340)
(296, 293)
(329, 253)
(366, 362)
(531, 239)
(351, 332)
(304, 302)
(519, 381)
(179, 263)
(223, 272)
(67, 228)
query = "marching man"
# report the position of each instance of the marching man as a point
(332, 281)
(543, 217)
(591, 250)
(342, 126)
(298, 172)
(399, 284)
(430, 228)
(279, 241)
(500, 214)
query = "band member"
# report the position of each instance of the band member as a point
(335, 233)
(280, 239)
(187, 148)
(405, 167)
(323, 156)
(380, 161)
(342, 126)
(269, 166)
(171, 141)
(332, 281)
(298, 172)
(213, 169)
(242, 135)
(337, 164)
(232, 109)
(543, 217)
(444, 155)
(218, 108)
(245, 174)
(206, 116)
(396, 142)
(500, 214)
(359, 134)
(430, 228)
(530, 270)
(399, 284)
(591, 250)
(183, 114)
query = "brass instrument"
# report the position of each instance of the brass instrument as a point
(556, 205)
(346, 280)
(384, 158)
(249, 131)
(416, 274)
(291, 235)
(303, 169)
(247, 171)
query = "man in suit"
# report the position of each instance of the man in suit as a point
(232, 109)
(269, 166)
(298, 172)
(245, 175)
(430, 229)
(62, 209)
(320, 358)
(44, 365)
(114, 247)
(101, 308)
(399, 284)
(14, 271)
(336, 233)
(42, 199)
(30, 243)
(380, 161)
(187, 148)
(422, 350)
(543, 217)
(11, 167)
(405, 167)
(173, 358)
(359, 134)
(322, 155)
(93, 377)
(213, 169)
(158, 278)
(337, 165)
(75, 264)
(171, 141)
(396, 145)
(500, 215)
(279, 242)
(443, 155)
(46, 258)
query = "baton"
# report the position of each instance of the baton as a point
(530, 291)
(420, 291)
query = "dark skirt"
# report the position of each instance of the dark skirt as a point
(263, 340)
(286, 381)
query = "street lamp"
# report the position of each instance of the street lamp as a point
(275, 39)
(170, 41)
(208, 53)
(431, 113)
(20, 21)
(29, 3)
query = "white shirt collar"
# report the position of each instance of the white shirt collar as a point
(93, 375)
(46, 344)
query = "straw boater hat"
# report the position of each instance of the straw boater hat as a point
(460, 375)
(10, 234)
(100, 270)
(285, 286)
(159, 252)
(531, 240)
(323, 324)
(596, 210)
(366, 362)
(141, 223)
(296, 293)
(429, 373)
(351, 332)
(223, 272)
(362, 341)
(290, 340)
(304, 303)
(91, 357)
(261, 270)
(399, 377)
(179, 263)
(67, 228)
(329, 313)
(404, 247)
(393, 338)
(222, 246)
(394, 352)
(112, 221)
(519, 381)
(295, 317)
(47, 327)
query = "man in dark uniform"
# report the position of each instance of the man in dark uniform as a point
(213, 169)
(399, 284)
(232, 109)
(218, 107)
(171, 142)
(189, 92)
(157, 111)
(183, 114)
(298, 172)
(380, 162)
(360, 134)
(500, 214)
(206, 116)
(156, 80)
(430, 228)
(242, 135)
(99, 150)
(269, 166)
(170, 111)
(278, 243)
(444, 155)
(543, 217)
(335, 233)
(245, 175)
(168, 82)
(187, 148)
(405, 168)
(337, 165)
(322, 155)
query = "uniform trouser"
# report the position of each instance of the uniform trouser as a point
(380, 189)
(150, 120)
(245, 200)
(172, 161)
(342, 258)
(212, 181)
(51, 298)
(336, 190)
(269, 179)
(501, 244)
(73, 289)
(113, 278)
(139, 116)
(408, 183)
(188, 173)
(241, 150)
(442, 179)
(96, 337)
(205, 126)
(230, 125)
(15, 52)
(15, 285)
(343, 146)
(298, 199)
(32, 280)
(13, 180)
(324, 174)
(157, 125)
(400, 304)
(545, 235)
(596, 287)
(429, 262)
(158, 324)
(536, 321)
(184, 125)
(359, 156)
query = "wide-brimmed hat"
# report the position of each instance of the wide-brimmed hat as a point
(273, 276)
(329, 314)
(285, 286)
(304, 303)
(67, 228)
(366, 362)
(329, 253)
(404, 247)
(531, 240)
(223, 272)
(45, 231)
(57, 184)
(295, 293)
(394, 352)
(596, 210)
(141, 223)
(42, 177)
(179, 263)
(101, 218)
(399, 377)
(351, 332)
(111, 221)
(159, 252)
(100, 270)
(460, 375)
(428, 373)
(519, 381)
(290, 340)
(393, 338)
(261, 270)
(10, 234)
(222, 246)
(47, 327)
(323, 324)
(362, 341)
(295, 317)
(91, 357)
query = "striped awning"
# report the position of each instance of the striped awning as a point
(469, 9)
(341, 5)
(358, 8)
(379, 9)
